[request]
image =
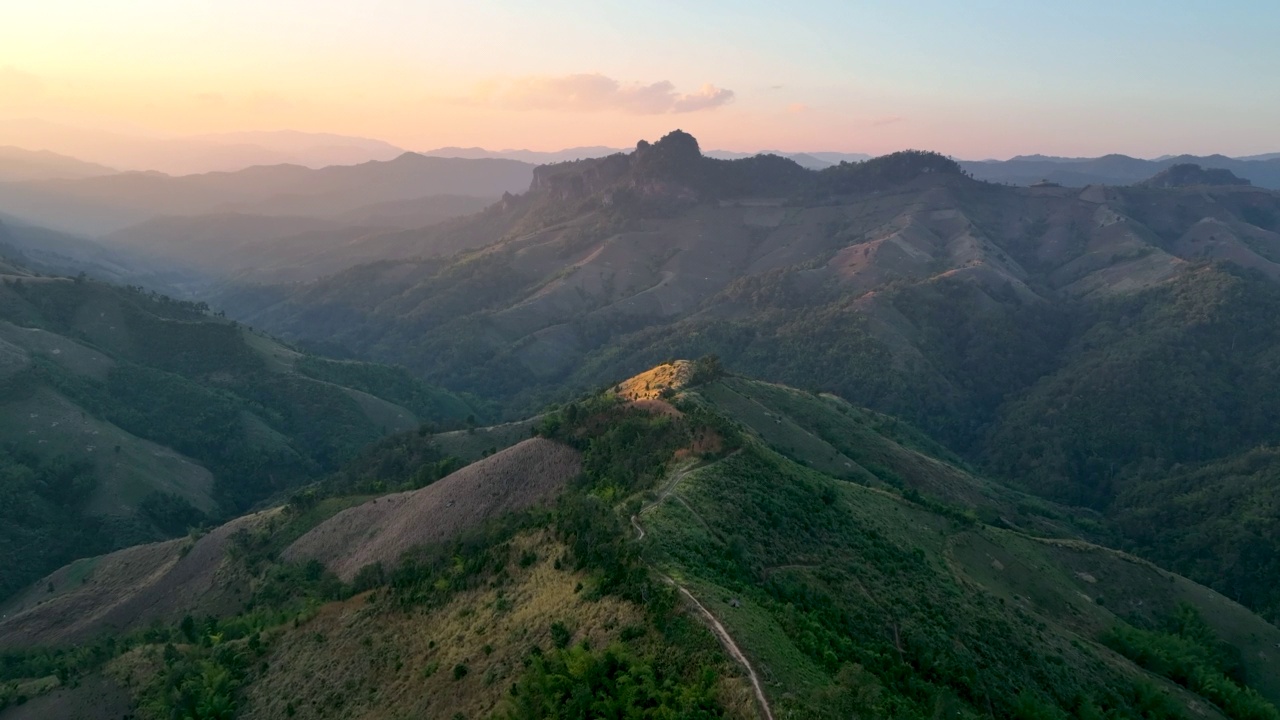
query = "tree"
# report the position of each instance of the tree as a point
(706, 369)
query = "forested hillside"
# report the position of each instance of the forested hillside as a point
(1076, 343)
(712, 547)
(126, 416)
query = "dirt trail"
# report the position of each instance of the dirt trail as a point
(662, 495)
(721, 633)
(635, 523)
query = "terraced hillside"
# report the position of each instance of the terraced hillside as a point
(127, 416)
(689, 569)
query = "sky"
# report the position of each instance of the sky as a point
(973, 78)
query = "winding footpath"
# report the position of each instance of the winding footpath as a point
(726, 640)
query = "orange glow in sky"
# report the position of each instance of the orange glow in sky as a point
(983, 80)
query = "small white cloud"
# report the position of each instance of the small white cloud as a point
(592, 92)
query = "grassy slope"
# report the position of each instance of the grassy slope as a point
(471, 445)
(825, 433)
(358, 660)
(830, 574)
(129, 468)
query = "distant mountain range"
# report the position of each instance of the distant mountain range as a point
(89, 153)
(185, 155)
(1266, 156)
(51, 252)
(812, 161)
(289, 223)
(534, 157)
(17, 164)
(100, 205)
(1261, 170)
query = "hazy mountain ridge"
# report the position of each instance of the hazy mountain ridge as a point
(1190, 174)
(53, 253)
(1261, 170)
(251, 248)
(810, 160)
(97, 206)
(218, 152)
(17, 165)
(637, 221)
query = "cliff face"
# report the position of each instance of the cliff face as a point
(579, 179)
(671, 167)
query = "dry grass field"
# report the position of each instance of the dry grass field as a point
(382, 529)
(127, 589)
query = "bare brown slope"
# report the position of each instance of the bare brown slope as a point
(126, 589)
(383, 529)
(93, 698)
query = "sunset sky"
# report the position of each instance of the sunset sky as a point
(975, 79)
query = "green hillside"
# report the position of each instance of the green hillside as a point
(1080, 344)
(730, 548)
(1213, 522)
(1009, 416)
(126, 416)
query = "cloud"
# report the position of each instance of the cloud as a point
(592, 92)
(797, 108)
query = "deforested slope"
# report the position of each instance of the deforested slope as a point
(127, 589)
(380, 530)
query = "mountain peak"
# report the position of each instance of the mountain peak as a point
(675, 144)
(651, 383)
(670, 170)
(676, 156)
